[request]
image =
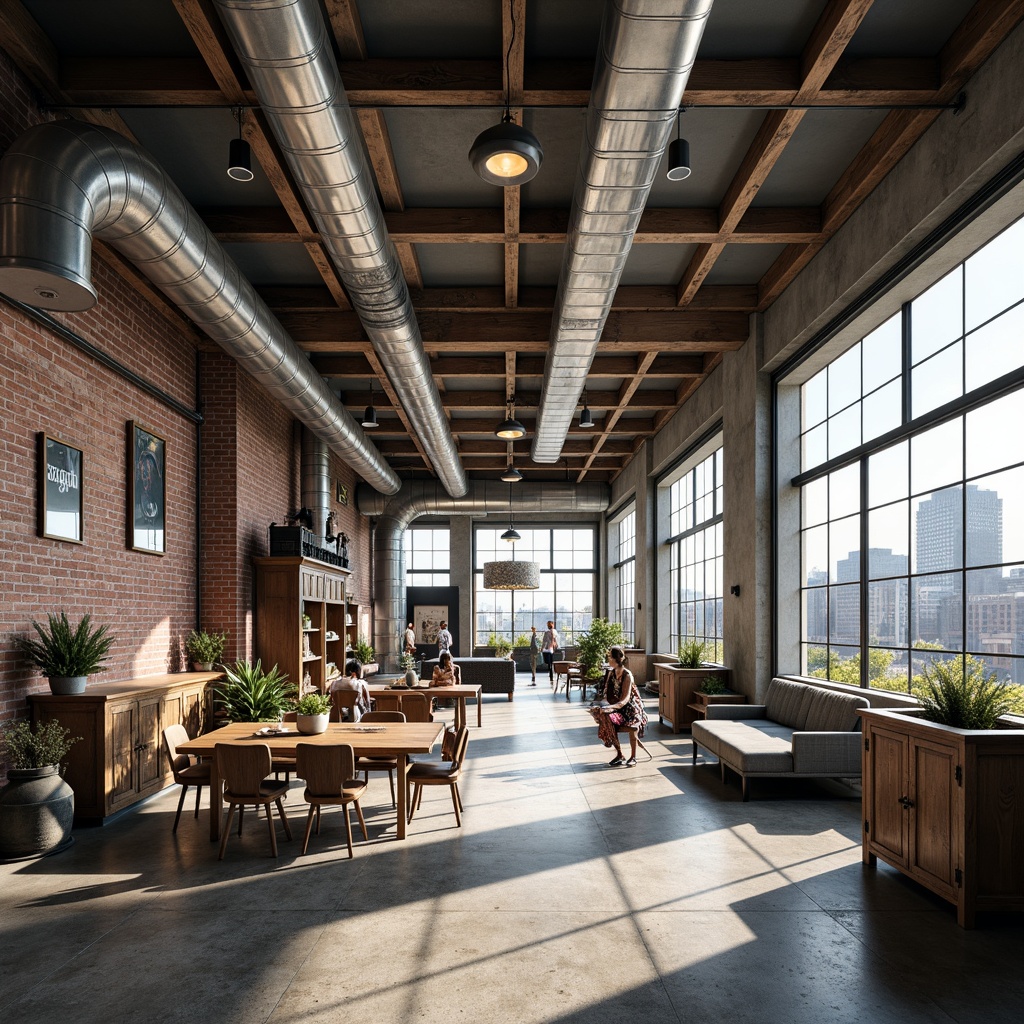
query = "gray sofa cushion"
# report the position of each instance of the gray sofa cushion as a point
(786, 702)
(828, 711)
(755, 748)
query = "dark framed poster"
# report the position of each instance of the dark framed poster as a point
(60, 490)
(147, 490)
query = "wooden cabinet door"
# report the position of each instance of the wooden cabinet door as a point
(886, 791)
(122, 723)
(334, 589)
(153, 713)
(192, 707)
(935, 815)
(311, 585)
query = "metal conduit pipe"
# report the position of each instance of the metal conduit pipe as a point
(394, 513)
(285, 48)
(646, 52)
(64, 182)
(316, 481)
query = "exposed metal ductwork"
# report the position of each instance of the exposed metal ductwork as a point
(316, 481)
(424, 497)
(64, 182)
(646, 52)
(285, 48)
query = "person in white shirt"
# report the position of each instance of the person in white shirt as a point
(410, 639)
(352, 680)
(548, 646)
(444, 639)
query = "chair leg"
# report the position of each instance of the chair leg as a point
(318, 819)
(199, 793)
(241, 814)
(459, 795)
(416, 792)
(309, 827)
(284, 820)
(455, 803)
(348, 831)
(391, 779)
(226, 831)
(273, 834)
(181, 800)
(362, 821)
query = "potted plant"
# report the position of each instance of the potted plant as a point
(37, 807)
(205, 648)
(714, 691)
(364, 651)
(502, 646)
(680, 684)
(312, 713)
(67, 655)
(592, 646)
(407, 662)
(965, 699)
(251, 695)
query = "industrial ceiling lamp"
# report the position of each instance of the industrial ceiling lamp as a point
(239, 154)
(370, 414)
(586, 420)
(507, 154)
(511, 575)
(678, 156)
(511, 474)
(510, 535)
(510, 429)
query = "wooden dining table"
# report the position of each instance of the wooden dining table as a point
(459, 692)
(378, 739)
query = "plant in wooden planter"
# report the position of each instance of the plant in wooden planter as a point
(963, 696)
(364, 651)
(691, 653)
(252, 695)
(67, 655)
(205, 648)
(37, 806)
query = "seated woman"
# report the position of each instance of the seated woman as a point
(446, 672)
(621, 708)
(352, 681)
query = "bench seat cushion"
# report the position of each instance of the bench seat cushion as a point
(751, 747)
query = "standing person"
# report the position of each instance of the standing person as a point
(622, 707)
(534, 654)
(410, 639)
(444, 639)
(549, 645)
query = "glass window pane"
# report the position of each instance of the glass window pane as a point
(815, 614)
(935, 456)
(844, 664)
(844, 380)
(814, 501)
(844, 431)
(995, 349)
(993, 277)
(994, 517)
(993, 613)
(888, 612)
(888, 540)
(937, 530)
(815, 555)
(935, 611)
(844, 491)
(844, 549)
(888, 670)
(888, 474)
(936, 316)
(883, 353)
(994, 439)
(883, 410)
(814, 447)
(937, 381)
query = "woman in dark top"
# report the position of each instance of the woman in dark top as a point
(622, 708)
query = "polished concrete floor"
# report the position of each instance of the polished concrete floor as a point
(574, 892)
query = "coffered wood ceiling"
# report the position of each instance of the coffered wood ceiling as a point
(795, 111)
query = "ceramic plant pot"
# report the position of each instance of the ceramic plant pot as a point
(37, 808)
(64, 686)
(312, 725)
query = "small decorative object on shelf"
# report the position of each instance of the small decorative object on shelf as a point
(307, 650)
(205, 648)
(307, 684)
(307, 622)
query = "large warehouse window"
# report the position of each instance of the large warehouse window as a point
(696, 515)
(912, 486)
(427, 556)
(568, 582)
(622, 572)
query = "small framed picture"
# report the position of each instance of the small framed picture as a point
(342, 493)
(60, 490)
(147, 490)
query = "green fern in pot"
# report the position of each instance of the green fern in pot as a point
(963, 696)
(67, 654)
(252, 695)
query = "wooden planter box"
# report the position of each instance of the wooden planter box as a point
(702, 700)
(945, 806)
(677, 688)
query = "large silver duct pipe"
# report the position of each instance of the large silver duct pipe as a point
(424, 497)
(285, 48)
(64, 182)
(316, 481)
(647, 50)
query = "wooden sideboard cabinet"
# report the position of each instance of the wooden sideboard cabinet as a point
(120, 759)
(676, 688)
(946, 807)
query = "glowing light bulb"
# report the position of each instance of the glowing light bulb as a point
(506, 164)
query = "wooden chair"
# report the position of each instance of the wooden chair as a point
(416, 707)
(570, 670)
(244, 769)
(330, 779)
(380, 764)
(185, 772)
(343, 700)
(421, 775)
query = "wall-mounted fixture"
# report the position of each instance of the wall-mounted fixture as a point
(370, 414)
(586, 420)
(510, 429)
(507, 154)
(735, 590)
(239, 154)
(678, 156)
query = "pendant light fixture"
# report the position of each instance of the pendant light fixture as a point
(370, 414)
(510, 535)
(586, 420)
(239, 154)
(678, 156)
(507, 154)
(511, 474)
(510, 429)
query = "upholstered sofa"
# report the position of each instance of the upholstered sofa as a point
(801, 730)
(492, 675)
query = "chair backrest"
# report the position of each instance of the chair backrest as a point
(448, 744)
(459, 753)
(388, 701)
(325, 768)
(384, 716)
(173, 735)
(343, 699)
(416, 707)
(243, 766)
(561, 668)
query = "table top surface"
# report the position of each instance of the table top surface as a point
(378, 737)
(434, 691)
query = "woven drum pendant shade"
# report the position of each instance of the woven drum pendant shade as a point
(511, 576)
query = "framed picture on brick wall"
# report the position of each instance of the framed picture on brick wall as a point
(147, 490)
(60, 490)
